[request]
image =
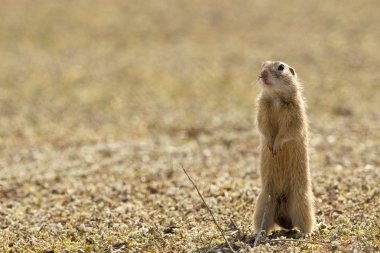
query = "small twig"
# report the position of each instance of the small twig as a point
(119, 249)
(234, 224)
(263, 221)
(208, 208)
(297, 240)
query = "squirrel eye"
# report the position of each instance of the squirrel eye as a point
(280, 67)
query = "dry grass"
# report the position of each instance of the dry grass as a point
(100, 101)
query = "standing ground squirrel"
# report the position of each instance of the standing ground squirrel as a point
(284, 158)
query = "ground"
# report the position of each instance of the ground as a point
(101, 102)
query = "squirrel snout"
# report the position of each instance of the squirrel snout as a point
(264, 74)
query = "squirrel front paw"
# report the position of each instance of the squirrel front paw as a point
(277, 146)
(274, 147)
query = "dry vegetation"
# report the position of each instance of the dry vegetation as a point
(101, 101)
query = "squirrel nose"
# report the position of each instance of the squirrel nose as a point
(264, 74)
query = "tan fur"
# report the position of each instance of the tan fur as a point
(284, 161)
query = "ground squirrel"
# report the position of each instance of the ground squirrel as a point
(284, 158)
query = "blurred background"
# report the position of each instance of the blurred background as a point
(77, 71)
(101, 100)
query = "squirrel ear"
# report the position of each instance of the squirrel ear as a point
(292, 71)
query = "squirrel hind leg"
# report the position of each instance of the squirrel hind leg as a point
(302, 212)
(261, 208)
